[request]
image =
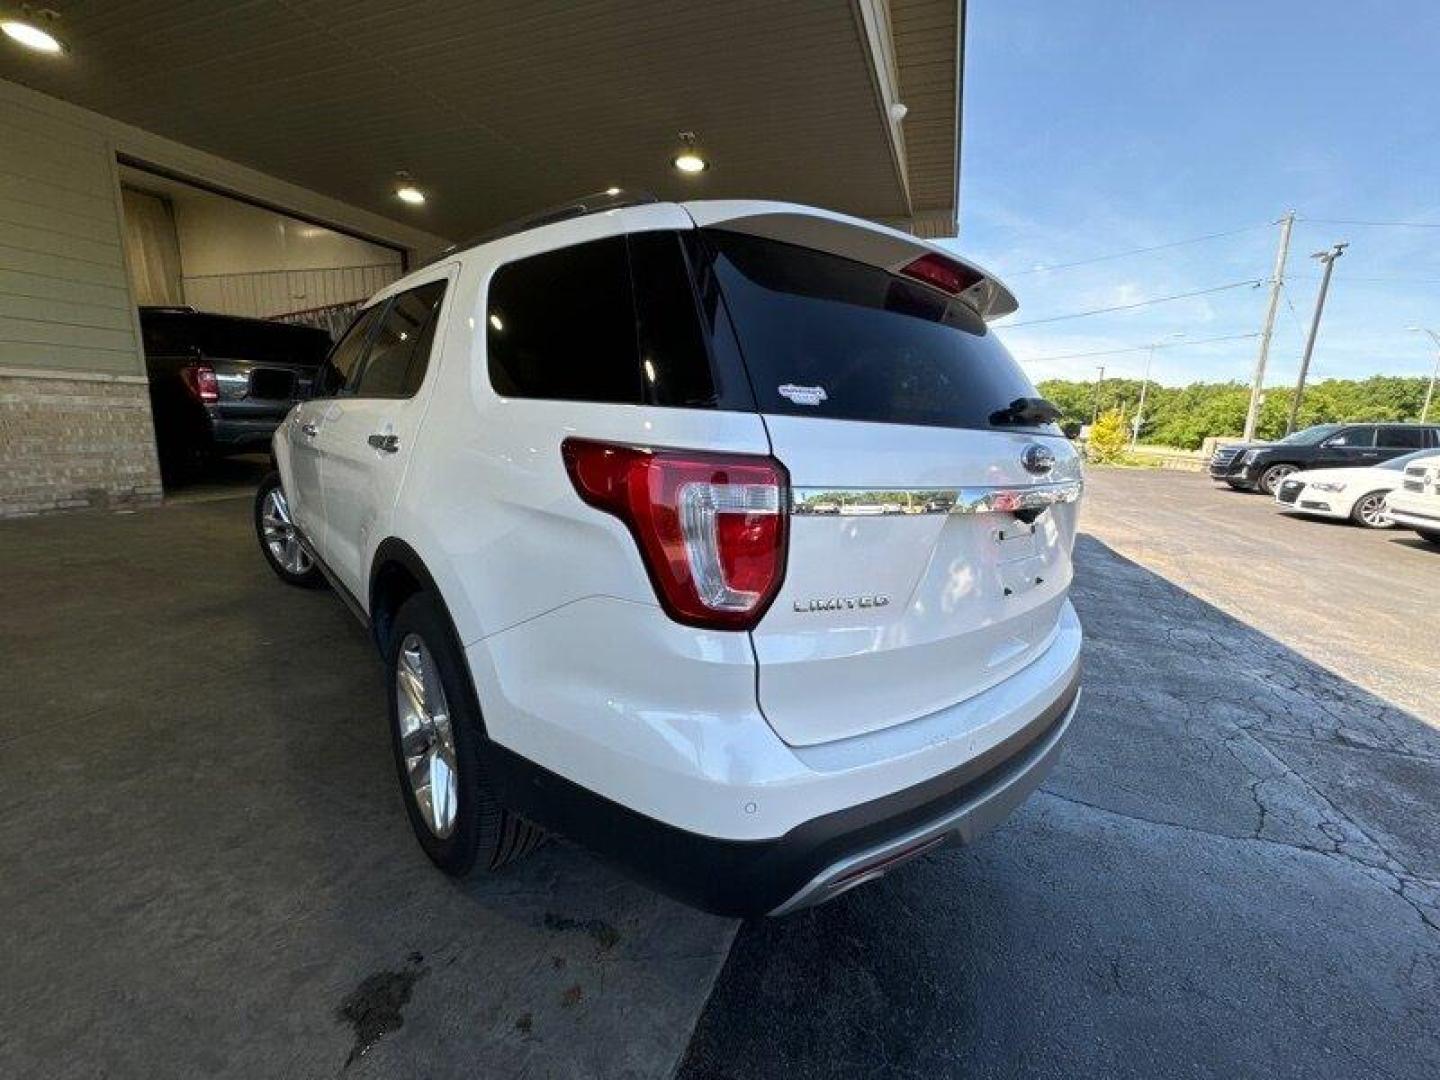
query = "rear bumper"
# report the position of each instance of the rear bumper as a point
(228, 433)
(697, 796)
(815, 861)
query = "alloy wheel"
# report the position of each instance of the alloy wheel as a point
(1275, 476)
(427, 737)
(281, 536)
(1370, 510)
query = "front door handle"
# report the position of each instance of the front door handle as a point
(388, 443)
(309, 430)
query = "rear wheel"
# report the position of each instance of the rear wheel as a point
(437, 736)
(279, 538)
(1368, 511)
(1271, 477)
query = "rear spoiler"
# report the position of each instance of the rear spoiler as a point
(863, 241)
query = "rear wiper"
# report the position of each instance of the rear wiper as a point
(1026, 411)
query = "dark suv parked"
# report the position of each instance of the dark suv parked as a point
(1261, 466)
(220, 384)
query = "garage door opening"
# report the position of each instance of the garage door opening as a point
(238, 306)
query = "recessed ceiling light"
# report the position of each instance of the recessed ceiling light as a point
(689, 159)
(612, 191)
(31, 36)
(406, 191)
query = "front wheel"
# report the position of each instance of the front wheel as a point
(1271, 477)
(279, 538)
(437, 737)
(1369, 511)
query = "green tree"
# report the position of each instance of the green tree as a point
(1185, 416)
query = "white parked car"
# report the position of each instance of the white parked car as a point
(723, 538)
(1415, 504)
(1356, 493)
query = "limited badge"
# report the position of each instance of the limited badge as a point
(803, 395)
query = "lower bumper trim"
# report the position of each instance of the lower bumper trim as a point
(815, 861)
(961, 826)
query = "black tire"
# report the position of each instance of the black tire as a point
(484, 836)
(310, 576)
(1270, 479)
(1429, 535)
(1358, 517)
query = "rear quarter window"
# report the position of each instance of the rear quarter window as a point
(619, 320)
(824, 336)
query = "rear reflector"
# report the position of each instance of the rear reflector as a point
(200, 381)
(710, 527)
(941, 273)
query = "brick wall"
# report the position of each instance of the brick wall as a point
(72, 442)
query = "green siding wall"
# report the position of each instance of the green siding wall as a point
(64, 295)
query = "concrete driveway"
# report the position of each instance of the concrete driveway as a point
(204, 868)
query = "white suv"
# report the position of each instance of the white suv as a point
(723, 538)
(1415, 504)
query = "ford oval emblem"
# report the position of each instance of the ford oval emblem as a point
(1038, 459)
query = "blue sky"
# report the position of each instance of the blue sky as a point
(1094, 127)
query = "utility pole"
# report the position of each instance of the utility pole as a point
(1145, 385)
(1095, 416)
(1435, 371)
(1277, 281)
(1328, 258)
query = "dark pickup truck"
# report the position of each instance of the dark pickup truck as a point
(1261, 466)
(221, 384)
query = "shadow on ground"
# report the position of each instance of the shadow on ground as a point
(1233, 872)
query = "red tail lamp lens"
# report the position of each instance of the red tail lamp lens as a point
(941, 273)
(712, 528)
(200, 380)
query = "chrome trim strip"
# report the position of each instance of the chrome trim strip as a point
(960, 826)
(914, 502)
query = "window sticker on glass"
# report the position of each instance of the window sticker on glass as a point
(803, 395)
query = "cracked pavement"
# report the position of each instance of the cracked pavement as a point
(1235, 870)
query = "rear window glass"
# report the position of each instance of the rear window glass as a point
(825, 336)
(1408, 437)
(220, 337)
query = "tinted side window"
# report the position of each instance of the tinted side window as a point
(1408, 437)
(343, 360)
(562, 325)
(400, 349)
(1355, 436)
(684, 358)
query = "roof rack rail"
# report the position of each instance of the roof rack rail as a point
(596, 203)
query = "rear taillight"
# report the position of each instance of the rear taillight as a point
(941, 273)
(200, 381)
(711, 528)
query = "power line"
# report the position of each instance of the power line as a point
(1140, 348)
(1374, 280)
(1128, 307)
(1134, 251)
(1385, 224)
(1285, 291)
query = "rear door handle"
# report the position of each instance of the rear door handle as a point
(388, 443)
